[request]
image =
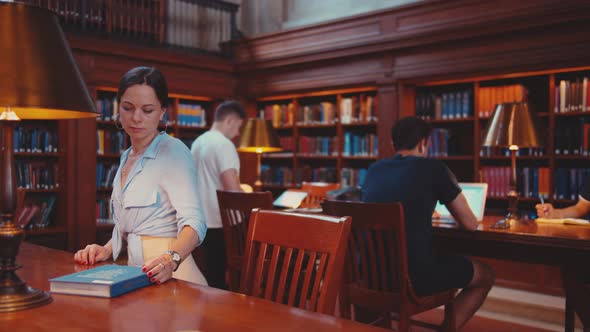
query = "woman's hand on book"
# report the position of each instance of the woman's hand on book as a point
(159, 269)
(93, 253)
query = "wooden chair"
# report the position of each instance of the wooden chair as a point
(235, 208)
(376, 268)
(295, 259)
(577, 291)
(316, 193)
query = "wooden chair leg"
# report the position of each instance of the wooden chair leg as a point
(403, 324)
(570, 317)
(450, 318)
(345, 311)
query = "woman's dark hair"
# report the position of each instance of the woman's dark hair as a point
(228, 107)
(408, 132)
(145, 75)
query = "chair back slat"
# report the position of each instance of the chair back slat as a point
(311, 277)
(376, 257)
(235, 208)
(284, 273)
(296, 273)
(272, 272)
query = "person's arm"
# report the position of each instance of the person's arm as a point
(230, 180)
(179, 182)
(462, 213)
(580, 209)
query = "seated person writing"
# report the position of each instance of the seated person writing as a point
(576, 277)
(579, 210)
(418, 183)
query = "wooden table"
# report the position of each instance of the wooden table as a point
(172, 306)
(548, 244)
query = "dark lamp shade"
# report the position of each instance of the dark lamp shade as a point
(39, 78)
(259, 136)
(512, 126)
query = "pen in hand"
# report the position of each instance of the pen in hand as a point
(543, 204)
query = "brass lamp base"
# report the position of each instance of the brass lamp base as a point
(14, 293)
(504, 223)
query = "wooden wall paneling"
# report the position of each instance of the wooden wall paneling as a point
(69, 203)
(84, 178)
(520, 52)
(103, 62)
(388, 112)
(318, 76)
(414, 25)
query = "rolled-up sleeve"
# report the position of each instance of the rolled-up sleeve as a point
(179, 180)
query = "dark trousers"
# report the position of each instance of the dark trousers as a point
(212, 260)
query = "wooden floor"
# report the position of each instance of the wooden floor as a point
(477, 324)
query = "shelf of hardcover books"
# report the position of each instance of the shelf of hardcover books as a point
(450, 110)
(38, 152)
(188, 117)
(324, 134)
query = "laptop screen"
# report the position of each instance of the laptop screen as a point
(290, 199)
(475, 193)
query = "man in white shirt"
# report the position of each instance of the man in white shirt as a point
(218, 167)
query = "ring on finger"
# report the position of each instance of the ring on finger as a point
(163, 266)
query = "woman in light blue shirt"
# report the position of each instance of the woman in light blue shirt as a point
(154, 202)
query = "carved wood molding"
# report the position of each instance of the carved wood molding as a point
(102, 62)
(413, 26)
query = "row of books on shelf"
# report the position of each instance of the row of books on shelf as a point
(531, 182)
(107, 107)
(105, 174)
(191, 115)
(439, 143)
(358, 109)
(285, 176)
(352, 177)
(491, 96)
(103, 211)
(35, 212)
(281, 115)
(449, 105)
(488, 151)
(36, 174)
(360, 145)
(572, 96)
(319, 145)
(322, 113)
(110, 141)
(353, 109)
(572, 137)
(36, 140)
(287, 143)
(568, 181)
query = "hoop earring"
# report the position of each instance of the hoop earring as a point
(119, 118)
(165, 125)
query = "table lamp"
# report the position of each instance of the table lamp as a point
(38, 80)
(512, 126)
(259, 136)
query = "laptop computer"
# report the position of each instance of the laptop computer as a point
(290, 199)
(475, 193)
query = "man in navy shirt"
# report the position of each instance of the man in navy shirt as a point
(418, 183)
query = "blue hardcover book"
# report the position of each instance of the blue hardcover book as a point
(103, 281)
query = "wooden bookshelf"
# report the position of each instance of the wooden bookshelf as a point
(316, 129)
(42, 155)
(542, 91)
